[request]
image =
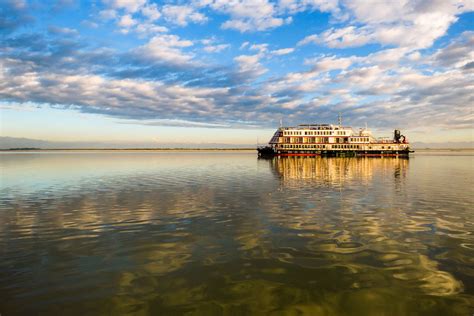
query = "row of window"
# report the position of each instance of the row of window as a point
(310, 133)
(303, 140)
(340, 139)
(359, 139)
(303, 146)
(345, 146)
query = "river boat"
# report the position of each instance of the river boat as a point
(333, 141)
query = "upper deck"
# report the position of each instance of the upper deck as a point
(322, 130)
(325, 134)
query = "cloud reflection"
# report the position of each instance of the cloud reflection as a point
(227, 233)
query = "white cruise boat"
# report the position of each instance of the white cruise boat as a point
(333, 140)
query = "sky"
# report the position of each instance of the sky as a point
(227, 71)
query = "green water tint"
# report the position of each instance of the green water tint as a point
(225, 233)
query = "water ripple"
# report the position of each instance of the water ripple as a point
(225, 233)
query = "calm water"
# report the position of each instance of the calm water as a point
(225, 233)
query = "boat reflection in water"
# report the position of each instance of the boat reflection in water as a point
(223, 233)
(337, 171)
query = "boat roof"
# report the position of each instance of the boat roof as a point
(316, 126)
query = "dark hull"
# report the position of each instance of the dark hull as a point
(270, 152)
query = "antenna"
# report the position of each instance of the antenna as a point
(281, 122)
(339, 119)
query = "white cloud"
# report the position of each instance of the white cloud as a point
(249, 66)
(127, 98)
(182, 15)
(308, 40)
(295, 6)
(340, 38)
(166, 48)
(216, 48)
(322, 64)
(247, 15)
(128, 5)
(410, 24)
(244, 45)
(248, 25)
(283, 51)
(138, 16)
(261, 48)
(149, 28)
(151, 12)
(126, 21)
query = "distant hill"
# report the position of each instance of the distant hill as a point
(27, 143)
(14, 142)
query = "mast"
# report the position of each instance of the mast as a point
(339, 119)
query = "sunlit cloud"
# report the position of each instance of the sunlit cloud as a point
(213, 63)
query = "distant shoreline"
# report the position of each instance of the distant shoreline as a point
(185, 149)
(125, 149)
(443, 149)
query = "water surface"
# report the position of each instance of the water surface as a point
(212, 233)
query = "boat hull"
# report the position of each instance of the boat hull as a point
(270, 152)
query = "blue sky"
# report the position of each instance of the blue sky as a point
(227, 71)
